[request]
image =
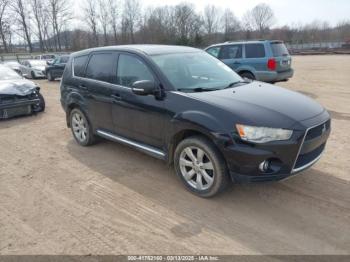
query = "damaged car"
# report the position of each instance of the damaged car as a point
(18, 96)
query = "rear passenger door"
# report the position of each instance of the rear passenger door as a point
(98, 85)
(231, 55)
(255, 56)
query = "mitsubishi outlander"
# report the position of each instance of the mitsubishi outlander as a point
(188, 108)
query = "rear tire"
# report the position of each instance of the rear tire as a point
(247, 75)
(50, 77)
(81, 128)
(201, 167)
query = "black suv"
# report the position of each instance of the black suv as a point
(186, 107)
(55, 69)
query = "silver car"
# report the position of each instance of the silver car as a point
(33, 68)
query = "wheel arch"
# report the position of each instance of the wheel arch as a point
(180, 135)
(75, 101)
(242, 71)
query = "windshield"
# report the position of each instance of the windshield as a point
(8, 74)
(199, 70)
(279, 49)
(37, 63)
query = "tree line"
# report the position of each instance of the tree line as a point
(51, 25)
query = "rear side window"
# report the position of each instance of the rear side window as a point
(231, 52)
(79, 65)
(279, 49)
(254, 50)
(214, 51)
(132, 69)
(102, 67)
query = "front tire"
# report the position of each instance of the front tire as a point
(41, 103)
(201, 167)
(81, 128)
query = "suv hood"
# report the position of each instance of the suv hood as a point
(20, 87)
(263, 104)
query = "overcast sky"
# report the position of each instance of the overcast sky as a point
(286, 11)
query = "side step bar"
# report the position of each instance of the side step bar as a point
(150, 150)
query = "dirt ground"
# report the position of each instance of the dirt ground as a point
(59, 198)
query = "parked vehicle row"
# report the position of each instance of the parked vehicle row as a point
(40, 67)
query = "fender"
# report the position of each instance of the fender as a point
(198, 122)
(74, 99)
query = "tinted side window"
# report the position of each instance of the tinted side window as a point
(79, 65)
(132, 69)
(254, 50)
(214, 51)
(231, 51)
(102, 67)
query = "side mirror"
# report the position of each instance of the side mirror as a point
(143, 87)
(48, 62)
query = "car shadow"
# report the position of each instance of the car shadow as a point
(305, 214)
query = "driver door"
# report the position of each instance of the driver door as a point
(137, 117)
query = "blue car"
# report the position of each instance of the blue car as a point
(263, 60)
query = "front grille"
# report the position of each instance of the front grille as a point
(304, 159)
(318, 130)
(7, 99)
(313, 145)
(16, 111)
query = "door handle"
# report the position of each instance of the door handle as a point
(83, 87)
(116, 97)
(236, 63)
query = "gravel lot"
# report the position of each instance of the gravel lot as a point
(59, 198)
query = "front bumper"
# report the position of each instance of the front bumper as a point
(38, 73)
(286, 158)
(18, 108)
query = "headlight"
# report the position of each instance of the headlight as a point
(262, 134)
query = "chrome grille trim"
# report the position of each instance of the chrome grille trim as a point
(294, 170)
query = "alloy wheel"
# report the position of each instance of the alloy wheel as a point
(79, 126)
(197, 168)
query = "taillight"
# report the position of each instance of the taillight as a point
(271, 64)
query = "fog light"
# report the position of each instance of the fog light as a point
(264, 166)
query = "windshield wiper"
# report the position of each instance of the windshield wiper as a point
(198, 89)
(236, 83)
